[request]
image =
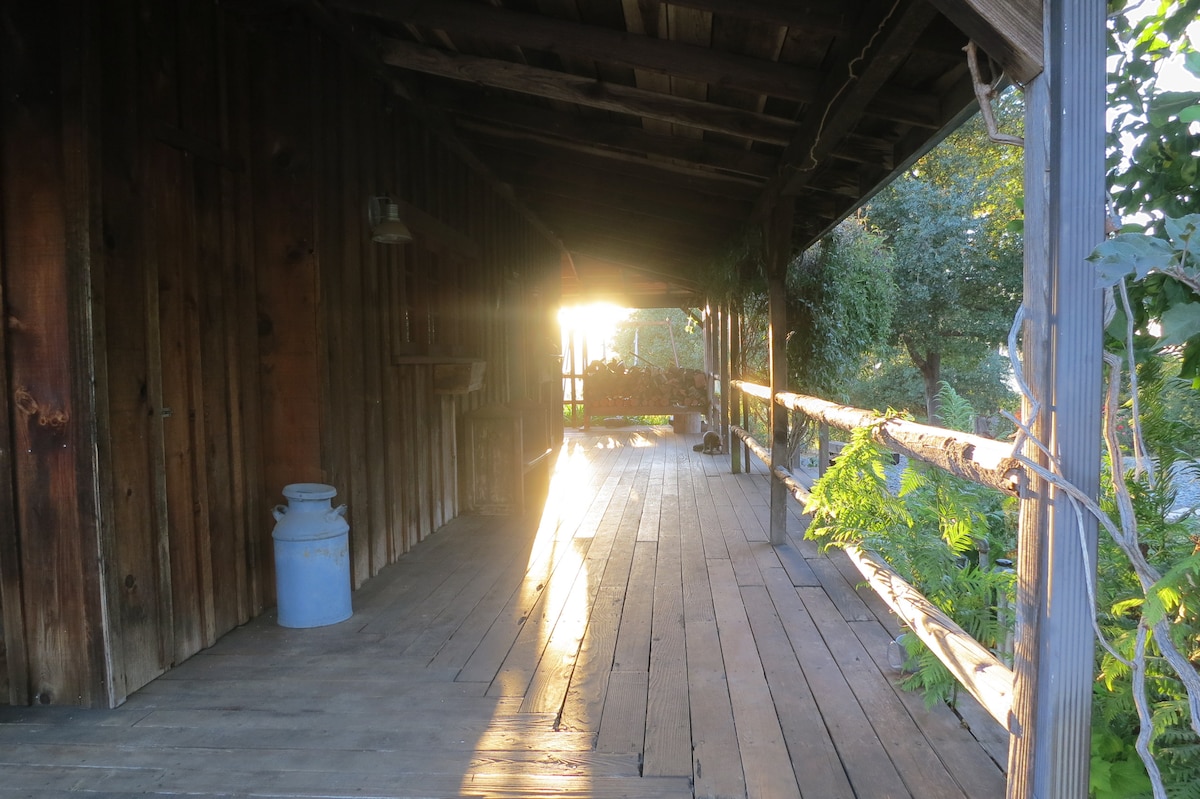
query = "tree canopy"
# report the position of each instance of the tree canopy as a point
(957, 253)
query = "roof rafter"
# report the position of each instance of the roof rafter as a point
(613, 188)
(814, 16)
(565, 149)
(608, 138)
(865, 67)
(570, 39)
(587, 92)
(1008, 31)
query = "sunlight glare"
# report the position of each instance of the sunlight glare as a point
(594, 326)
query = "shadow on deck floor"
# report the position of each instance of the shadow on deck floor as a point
(640, 639)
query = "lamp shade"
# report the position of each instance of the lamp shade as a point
(391, 230)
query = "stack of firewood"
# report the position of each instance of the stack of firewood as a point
(611, 383)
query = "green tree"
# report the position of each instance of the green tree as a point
(957, 255)
(839, 304)
(888, 379)
(1154, 172)
(1150, 566)
(657, 336)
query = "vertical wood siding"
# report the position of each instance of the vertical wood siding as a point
(245, 330)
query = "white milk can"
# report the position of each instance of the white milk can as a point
(312, 557)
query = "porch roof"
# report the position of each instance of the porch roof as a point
(648, 136)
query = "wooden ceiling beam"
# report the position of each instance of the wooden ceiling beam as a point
(487, 113)
(646, 176)
(1010, 31)
(883, 49)
(567, 149)
(616, 193)
(674, 264)
(812, 16)
(573, 40)
(598, 216)
(588, 92)
(620, 190)
(709, 159)
(551, 195)
(592, 265)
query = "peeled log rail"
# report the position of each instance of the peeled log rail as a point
(979, 671)
(790, 482)
(976, 458)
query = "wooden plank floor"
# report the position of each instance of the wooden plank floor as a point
(640, 639)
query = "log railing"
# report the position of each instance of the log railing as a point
(981, 460)
(975, 458)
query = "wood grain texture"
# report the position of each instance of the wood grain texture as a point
(198, 304)
(567, 88)
(732, 685)
(47, 256)
(976, 668)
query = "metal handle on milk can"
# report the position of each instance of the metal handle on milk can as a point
(340, 510)
(278, 511)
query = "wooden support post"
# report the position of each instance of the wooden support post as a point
(723, 333)
(742, 401)
(779, 250)
(709, 362)
(1064, 220)
(822, 448)
(733, 415)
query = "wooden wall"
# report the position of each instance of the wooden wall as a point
(195, 316)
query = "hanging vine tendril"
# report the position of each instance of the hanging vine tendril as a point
(1125, 534)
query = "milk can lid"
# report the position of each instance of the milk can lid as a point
(309, 491)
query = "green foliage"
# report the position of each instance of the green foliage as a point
(851, 504)
(1156, 175)
(658, 344)
(1171, 544)
(839, 299)
(1165, 297)
(940, 533)
(1116, 769)
(1153, 160)
(958, 260)
(957, 413)
(889, 379)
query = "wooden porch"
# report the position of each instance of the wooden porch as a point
(640, 639)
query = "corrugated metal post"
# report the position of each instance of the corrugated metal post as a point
(735, 396)
(1064, 212)
(779, 250)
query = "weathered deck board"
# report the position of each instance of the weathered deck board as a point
(640, 638)
(716, 760)
(815, 761)
(668, 751)
(766, 764)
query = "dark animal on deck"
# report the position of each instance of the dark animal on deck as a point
(711, 445)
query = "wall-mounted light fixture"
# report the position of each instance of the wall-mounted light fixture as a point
(383, 215)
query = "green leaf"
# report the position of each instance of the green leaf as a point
(1191, 114)
(1130, 252)
(1182, 229)
(1191, 62)
(1180, 323)
(1169, 104)
(1125, 605)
